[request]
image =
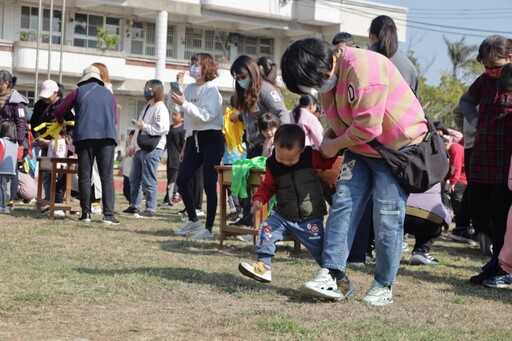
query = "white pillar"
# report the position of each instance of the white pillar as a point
(161, 44)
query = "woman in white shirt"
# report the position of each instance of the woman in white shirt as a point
(201, 105)
(153, 121)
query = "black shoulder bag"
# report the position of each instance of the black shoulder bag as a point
(418, 167)
(147, 142)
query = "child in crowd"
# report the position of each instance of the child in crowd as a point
(290, 174)
(174, 146)
(8, 163)
(126, 166)
(267, 125)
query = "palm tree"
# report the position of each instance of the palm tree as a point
(460, 54)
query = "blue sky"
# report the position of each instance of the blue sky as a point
(474, 19)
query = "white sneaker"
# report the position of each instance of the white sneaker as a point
(258, 271)
(59, 213)
(200, 213)
(378, 295)
(188, 227)
(203, 234)
(323, 285)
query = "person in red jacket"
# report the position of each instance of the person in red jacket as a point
(457, 186)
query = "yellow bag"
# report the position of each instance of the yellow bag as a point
(233, 132)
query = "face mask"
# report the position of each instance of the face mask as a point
(244, 83)
(195, 72)
(148, 94)
(328, 85)
(494, 73)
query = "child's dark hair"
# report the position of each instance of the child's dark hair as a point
(268, 121)
(505, 81)
(305, 100)
(290, 135)
(132, 132)
(494, 46)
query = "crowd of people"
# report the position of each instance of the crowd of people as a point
(370, 215)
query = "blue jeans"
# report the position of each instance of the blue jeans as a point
(309, 233)
(360, 178)
(144, 173)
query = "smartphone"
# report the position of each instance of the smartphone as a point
(134, 121)
(175, 87)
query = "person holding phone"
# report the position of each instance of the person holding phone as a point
(201, 104)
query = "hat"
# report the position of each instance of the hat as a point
(89, 73)
(48, 88)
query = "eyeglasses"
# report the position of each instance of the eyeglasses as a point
(493, 67)
(195, 63)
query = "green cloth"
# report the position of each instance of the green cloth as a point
(240, 173)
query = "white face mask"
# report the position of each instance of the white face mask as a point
(195, 72)
(328, 85)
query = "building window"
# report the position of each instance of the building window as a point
(30, 96)
(86, 29)
(144, 39)
(30, 23)
(210, 41)
(256, 47)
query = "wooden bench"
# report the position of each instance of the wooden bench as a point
(56, 166)
(256, 176)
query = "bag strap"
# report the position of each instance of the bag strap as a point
(88, 92)
(430, 130)
(144, 115)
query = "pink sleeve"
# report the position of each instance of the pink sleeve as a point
(316, 131)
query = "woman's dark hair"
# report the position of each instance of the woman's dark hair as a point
(307, 63)
(269, 70)
(505, 81)
(268, 121)
(246, 98)
(494, 46)
(304, 101)
(158, 89)
(290, 135)
(384, 29)
(210, 69)
(5, 76)
(61, 90)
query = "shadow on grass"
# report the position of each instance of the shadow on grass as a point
(459, 285)
(223, 281)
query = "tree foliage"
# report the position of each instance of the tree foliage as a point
(460, 55)
(106, 41)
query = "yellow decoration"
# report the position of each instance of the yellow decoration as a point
(233, 132)
(53, 130)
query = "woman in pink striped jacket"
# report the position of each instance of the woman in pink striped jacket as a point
(364, 98)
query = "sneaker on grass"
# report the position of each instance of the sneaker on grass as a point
(502, 281)
(464, 235)
(130, 211)
(423, 258)
(85, 218)
(145, 214)
(203, 234)
(378, 295)
(188, 227)
(258, 271)
(323, 285)
(110, 220)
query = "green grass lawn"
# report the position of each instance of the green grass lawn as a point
(137, 281)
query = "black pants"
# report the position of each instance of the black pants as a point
(425, 231)
(103, 152)
(172, 174)
(208, 153)
(489, 210)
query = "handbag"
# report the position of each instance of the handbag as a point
(147, 142)
(418, 167)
